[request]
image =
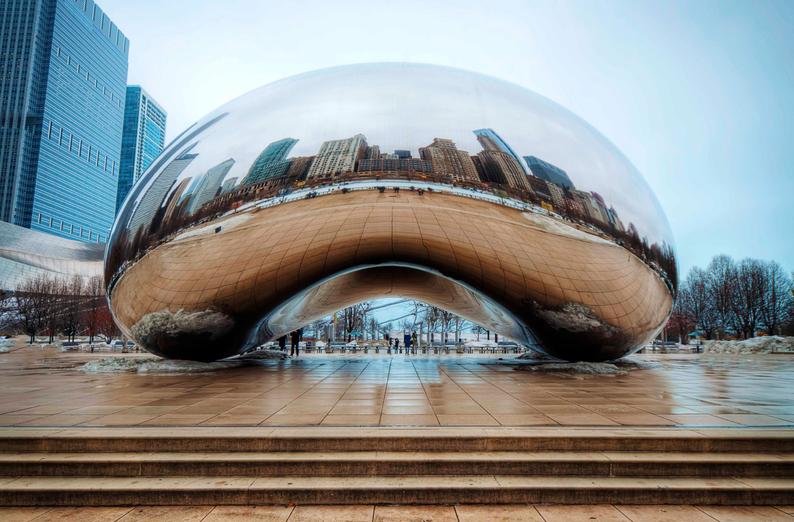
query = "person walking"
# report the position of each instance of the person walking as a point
(295, 343)
(407, 342)
(414, 343)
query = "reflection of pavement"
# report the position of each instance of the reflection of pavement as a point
(45, 388)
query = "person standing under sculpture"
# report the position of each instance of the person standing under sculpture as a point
(295, 339)
(407, 343)
(282, 343)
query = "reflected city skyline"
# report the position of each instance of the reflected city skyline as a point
(497, 168)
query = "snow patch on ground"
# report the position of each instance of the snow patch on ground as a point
(578, 370)
(153, 365)
(768, 344)
(264, 354)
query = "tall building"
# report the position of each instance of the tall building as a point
(229, 185)
(210, 184)
(549, 172)
(448, 161)
(142, 139)
(63, 75)
(501, 167)
(153, 196)
(272, 161)
(337, 156)
(490, 140)
(393, 164)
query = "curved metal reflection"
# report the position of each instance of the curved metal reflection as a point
(351, 183)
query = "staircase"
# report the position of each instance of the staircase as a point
(183, 466)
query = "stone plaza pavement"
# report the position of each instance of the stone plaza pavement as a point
(458, 513)
(42, 387)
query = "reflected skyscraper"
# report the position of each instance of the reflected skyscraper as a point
(549, 172)
(210, 184)
(448, 161)
(490, 140)
(154, 195)
(63, 76)
(142, 140)
(337, 156)
(271, 162)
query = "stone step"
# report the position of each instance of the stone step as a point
(369, 464)
(480, 489)
(390, 439)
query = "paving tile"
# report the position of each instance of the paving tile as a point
(246, 513)
(415, 514)
(166, 514)
(332, 514)
(524, 420)
(21, 514)
(467, 420)
(584, 513)
(664, 514)
(699, 420)
(85, 514)
(745, 513)
(497, 513)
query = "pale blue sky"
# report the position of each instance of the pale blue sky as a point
(698, 94)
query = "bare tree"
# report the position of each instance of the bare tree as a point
(385, 330)
(722, 279)
(94, 299)
(747, 297)
(479, 330)
(697, 303)
(106, 326)
(776, 297)
(680, 322)
(69, 310)
(31, 304)
(446, 317)
(373, 328)
(354, 318)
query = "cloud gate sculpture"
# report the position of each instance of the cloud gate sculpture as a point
(391, 180)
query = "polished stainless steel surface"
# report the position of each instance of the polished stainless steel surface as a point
(420, 181)
(26, 253)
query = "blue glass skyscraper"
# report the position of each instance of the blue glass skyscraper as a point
(63, 72)
(545, 170)
(490, 140)
(142, 140)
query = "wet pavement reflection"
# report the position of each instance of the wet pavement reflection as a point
(45, 388)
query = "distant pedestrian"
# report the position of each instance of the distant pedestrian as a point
(407, 342)
(414, 342)
(295, 343)
(282, 343)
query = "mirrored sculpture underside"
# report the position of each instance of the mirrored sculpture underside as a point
(218, 289)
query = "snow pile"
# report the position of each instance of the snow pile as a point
(6, 344)
(579, 369)
(264, 354)
(772, 343)
(165, 324)
(153, 365)
(535, 356)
